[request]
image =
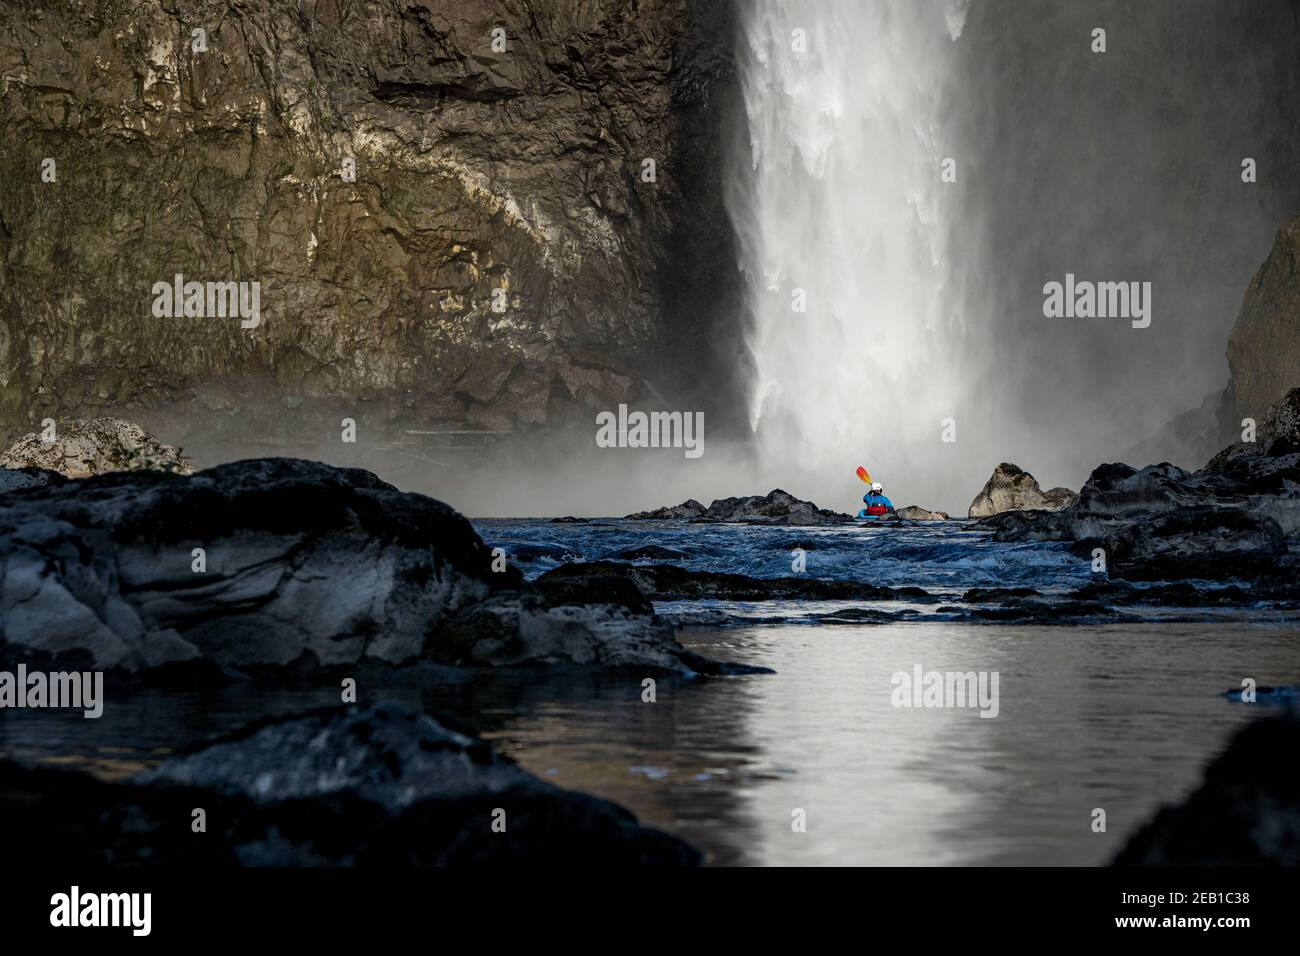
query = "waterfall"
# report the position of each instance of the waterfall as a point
(838, 205)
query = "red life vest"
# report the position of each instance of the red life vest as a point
(877, 510)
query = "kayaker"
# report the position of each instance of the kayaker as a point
(876, 502)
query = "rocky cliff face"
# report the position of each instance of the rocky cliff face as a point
(1264, 347)
(447, 204)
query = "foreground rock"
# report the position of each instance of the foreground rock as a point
(276, 567)
(775, 508)
(1011, 489)
(1245, 813)
(1238, 517)
(345, 786)
(95, 446)
(15, 479)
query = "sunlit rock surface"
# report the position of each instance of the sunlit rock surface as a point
(1012, 489)
(96, 446)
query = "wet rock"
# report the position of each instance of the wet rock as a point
(1246, 811)
(1179, 594)
(1277, 437)
(96, 446)
(690, 508)
(307, 570)
(775, 508)
(343, 786)
(1012, 489)
(569, 520)
(1244, 505)
(859, 615)
(598, 588)
(1045, 610)
(1205, 543)
(16, 479)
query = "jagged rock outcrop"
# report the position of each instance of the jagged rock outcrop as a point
(690, 508)
(1012, 489)
(777, 507)
(1245, 813)
(304, 569)
(1264, 346)
(1236, 517)
(501, 257)
(337, 787)
(1207, 542)
(1263, 358)
(97, 446)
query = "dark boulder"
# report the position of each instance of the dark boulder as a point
(777, 507)
(690, 508)
(335, 787)
(1206, 543)
(306, 569)
(1237, 517)
(1245, 813)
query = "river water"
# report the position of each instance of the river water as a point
(1114, 717)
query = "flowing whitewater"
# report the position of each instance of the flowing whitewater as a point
(838, 204)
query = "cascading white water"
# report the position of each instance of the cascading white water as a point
(840, 200)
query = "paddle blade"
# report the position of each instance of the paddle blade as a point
(864, 475)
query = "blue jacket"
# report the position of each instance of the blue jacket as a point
(870, 499)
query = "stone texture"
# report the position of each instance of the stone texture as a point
(476, 171)
(777, 507)
(1238, 517)
(1012, 489)
(1264, 346)
(97, 446)
(690, 508)
(310, 570)
(917, 513)
(335, 787)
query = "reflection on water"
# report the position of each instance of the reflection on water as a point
(1121, 718)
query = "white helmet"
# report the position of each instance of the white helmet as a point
(877, 487)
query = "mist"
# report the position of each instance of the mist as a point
(925, 298)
